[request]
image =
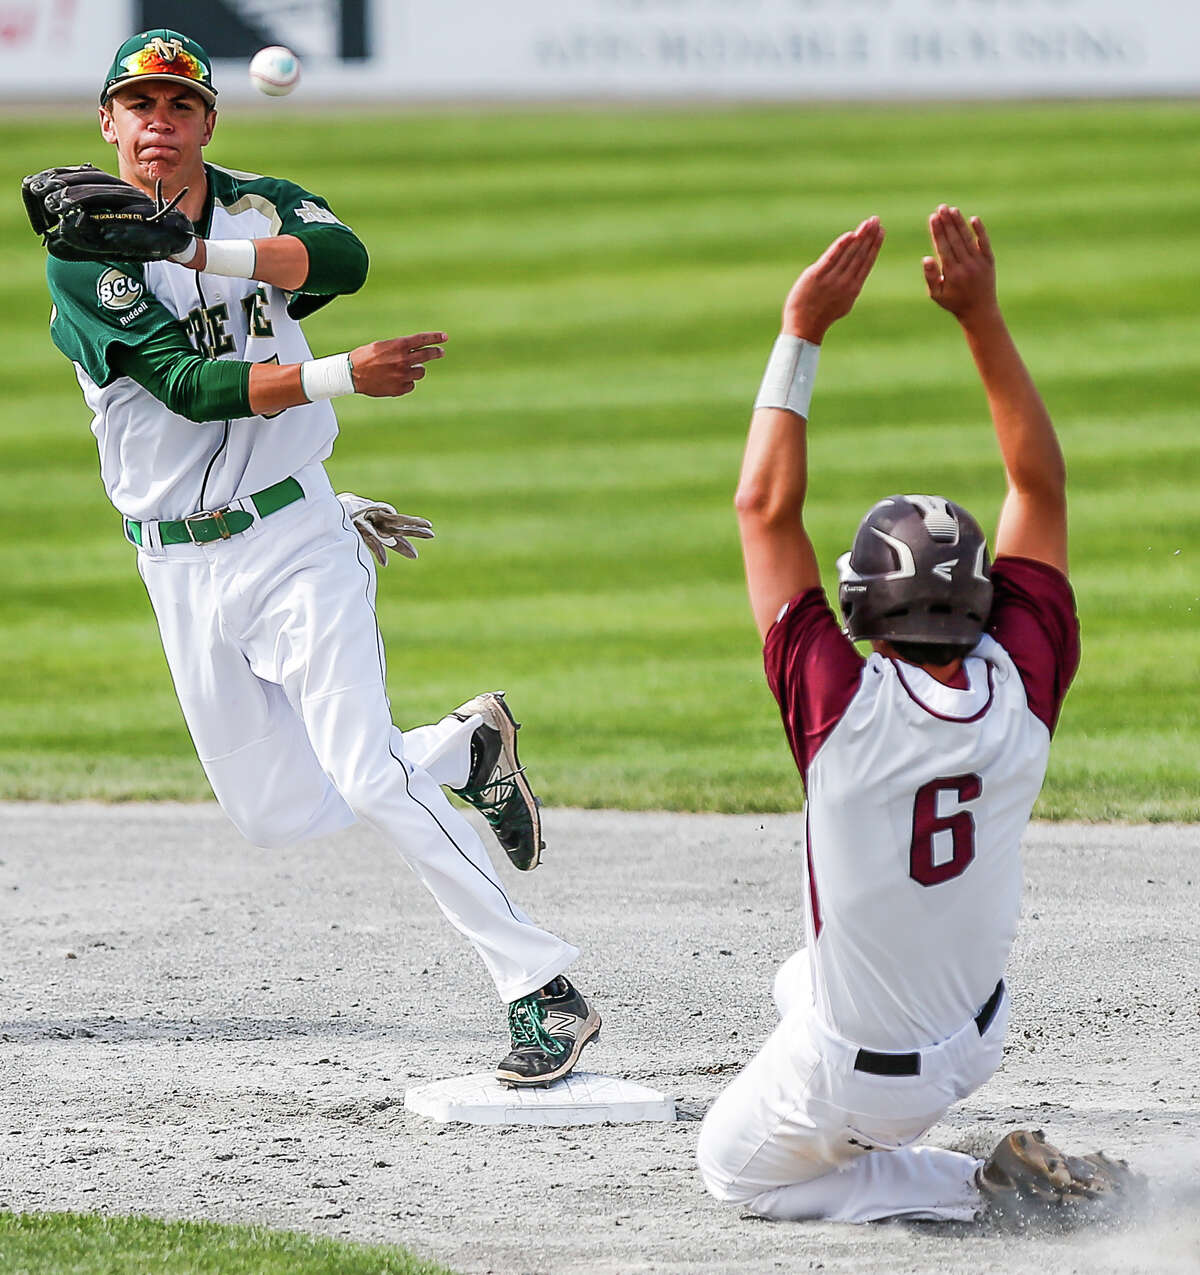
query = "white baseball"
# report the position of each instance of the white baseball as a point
(275, 71)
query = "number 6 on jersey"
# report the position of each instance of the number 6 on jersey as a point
(923, 865)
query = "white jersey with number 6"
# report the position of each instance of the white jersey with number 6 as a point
(918, 795)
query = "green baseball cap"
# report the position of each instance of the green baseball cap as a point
(161, 54)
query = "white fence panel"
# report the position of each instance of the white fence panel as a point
(601, 49)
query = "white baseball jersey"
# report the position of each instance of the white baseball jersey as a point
(918, 794)
(271, 634)
(155, 463)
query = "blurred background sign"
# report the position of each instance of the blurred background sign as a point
(384, 50)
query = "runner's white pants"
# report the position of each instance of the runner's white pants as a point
(800, 1134)
(273, 646)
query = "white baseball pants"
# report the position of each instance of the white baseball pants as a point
(801, 1135)
(273, 646)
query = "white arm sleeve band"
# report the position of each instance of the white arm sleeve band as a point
(327, 378)
(788, 380)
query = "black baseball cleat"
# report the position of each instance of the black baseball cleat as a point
(496, 785)
(549, 1030)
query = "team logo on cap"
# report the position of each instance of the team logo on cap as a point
(168, 50)
(164, 57)
(115, 290)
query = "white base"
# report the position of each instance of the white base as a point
(580, 1098)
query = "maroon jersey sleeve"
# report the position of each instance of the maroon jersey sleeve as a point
(813, 671)
(1033, 618)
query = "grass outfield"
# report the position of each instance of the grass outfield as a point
(611, 281)
(88, 1244)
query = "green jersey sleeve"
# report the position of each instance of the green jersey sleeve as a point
(107, 320)
(337, 259)
(100, 308)
(190, 385)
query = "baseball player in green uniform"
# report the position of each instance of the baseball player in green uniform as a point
(213, 421)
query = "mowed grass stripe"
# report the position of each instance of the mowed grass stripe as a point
(611, 281)
(73, 1243)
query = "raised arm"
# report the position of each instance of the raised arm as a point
(778, 553)
(962, 279)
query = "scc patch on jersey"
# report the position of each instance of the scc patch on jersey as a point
(115, 290)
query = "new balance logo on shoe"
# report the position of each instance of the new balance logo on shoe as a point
(549, 1030)
(557, 1023)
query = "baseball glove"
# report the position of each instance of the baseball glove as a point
(85, 214)
(1027, 1179)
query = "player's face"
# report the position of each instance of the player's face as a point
(158, 128)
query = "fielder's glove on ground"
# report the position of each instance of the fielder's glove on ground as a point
(380, 525)
(85, 214)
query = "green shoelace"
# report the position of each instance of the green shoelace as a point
(492, 807)
(525, 1018)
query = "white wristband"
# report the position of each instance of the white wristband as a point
(233, 258)
(327, 378)
(788, 380)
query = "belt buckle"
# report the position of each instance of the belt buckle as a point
(217, 516)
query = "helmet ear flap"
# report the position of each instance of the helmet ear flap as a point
(846, 573)
(851, 587)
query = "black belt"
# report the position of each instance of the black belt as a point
(910, 1064)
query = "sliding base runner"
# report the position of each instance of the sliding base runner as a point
(921, 762)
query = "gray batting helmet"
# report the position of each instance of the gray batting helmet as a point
(918, 572)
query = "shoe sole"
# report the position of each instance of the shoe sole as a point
(502, 720)
(588, 1033)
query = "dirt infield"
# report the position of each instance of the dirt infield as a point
(196, 1028)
